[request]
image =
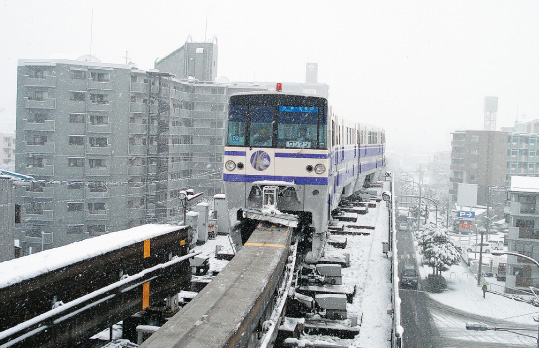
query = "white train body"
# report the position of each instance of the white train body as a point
(295, 143)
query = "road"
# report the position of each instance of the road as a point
(430, 324)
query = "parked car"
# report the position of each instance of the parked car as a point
(487, 247)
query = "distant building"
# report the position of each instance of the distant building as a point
(7, 219)
(523, 237)
(194, 60)
(7, 152)
(482, 158)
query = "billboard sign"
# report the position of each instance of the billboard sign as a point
(465, 226)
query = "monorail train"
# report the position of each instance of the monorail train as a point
(295, 146)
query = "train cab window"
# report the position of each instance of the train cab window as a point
(299, 128)
(261, 129)
(237, 123)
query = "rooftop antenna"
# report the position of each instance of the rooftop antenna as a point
(126, 57)
(206, 29)
(91, 30)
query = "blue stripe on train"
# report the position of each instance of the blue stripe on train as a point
(296, 179)
(301, 155)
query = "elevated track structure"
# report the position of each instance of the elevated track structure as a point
(61, 297)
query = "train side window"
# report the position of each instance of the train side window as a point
(333, 133)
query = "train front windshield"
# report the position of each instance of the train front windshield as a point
(277, 122)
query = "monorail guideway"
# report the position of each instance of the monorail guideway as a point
(243, 305)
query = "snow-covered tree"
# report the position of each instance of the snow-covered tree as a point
(439, 251)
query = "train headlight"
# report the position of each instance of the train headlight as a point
(230, 165)
(319, 168)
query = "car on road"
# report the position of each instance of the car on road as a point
(409, 277)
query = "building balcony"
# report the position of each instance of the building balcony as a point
(457, 180)
(98, 150)
(139, 87)
(91, 194)
(100, 215)
(102, 85)
(138, 107)
(47, 81)
(100, 171)
(48, 192)
(100, 107)
(456, 167)
(139, 191)
(47, 170)
(47, 147)
(48, 125)
(43, 215)
(47, 103)
(136, 170)
(137, 128)
(137, 149)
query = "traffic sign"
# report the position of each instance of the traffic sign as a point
(465, 214)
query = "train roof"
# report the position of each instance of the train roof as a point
(277, 93)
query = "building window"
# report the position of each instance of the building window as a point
(96, 208)
(97, 163)
(33, 160)
(35, 208)
(75, 206)
(37, 118)
(99, 119)
(100, 77)
(527, 204)
(526, 229)
(75, 162)
(472, 177)
(98, 186)
(37, 95)
(473, 165)
(474, 152)
(76, 140)
(98, 142)
(76, 118)
(75, 229)
(474, 138)
(74, 185)
(37, 140)
(78, 74)
(78, 96)
(95, 230)
(36, 72)
(99, 98)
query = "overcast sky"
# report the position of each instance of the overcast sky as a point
(420, 69)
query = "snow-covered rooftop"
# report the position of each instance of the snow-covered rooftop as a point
(525, 184)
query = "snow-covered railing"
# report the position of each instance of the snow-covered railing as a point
(396, 337)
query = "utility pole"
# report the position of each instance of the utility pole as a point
(481, 245)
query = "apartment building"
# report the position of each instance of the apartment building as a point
(523, 237)
(7, 152)
(111, 147)
(7, 219)
(482, 158)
